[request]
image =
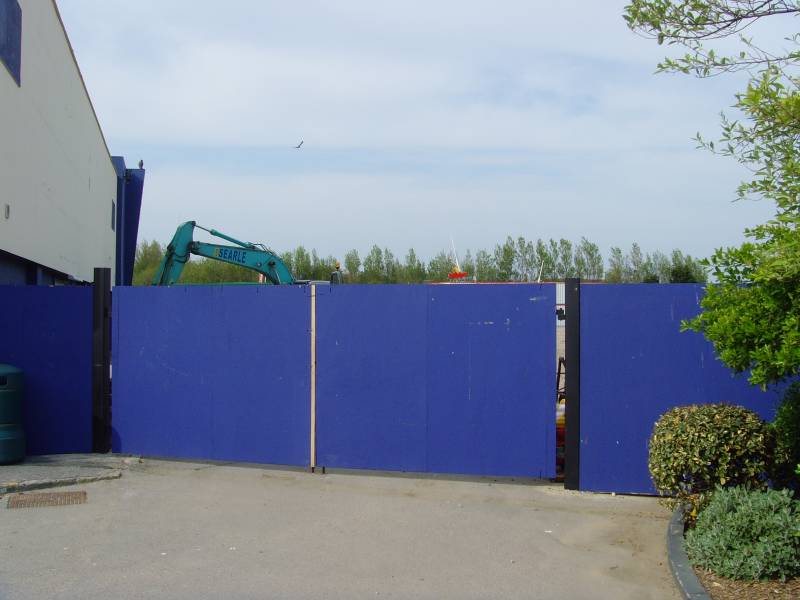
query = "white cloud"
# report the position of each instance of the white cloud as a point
(438, 74)
(536, 119)
(610, 202)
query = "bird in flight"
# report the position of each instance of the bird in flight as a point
(300, 144)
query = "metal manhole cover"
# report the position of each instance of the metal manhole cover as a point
(37, 499)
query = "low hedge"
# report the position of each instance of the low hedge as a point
(747, 534)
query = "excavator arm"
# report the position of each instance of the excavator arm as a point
(256, 257)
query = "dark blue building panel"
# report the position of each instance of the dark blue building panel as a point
(11, 38)
(128, 205)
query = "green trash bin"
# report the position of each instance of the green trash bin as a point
(12, 444)
(12, 436)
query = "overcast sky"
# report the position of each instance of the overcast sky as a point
(420, 121)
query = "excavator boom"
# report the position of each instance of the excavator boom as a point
(256, 257)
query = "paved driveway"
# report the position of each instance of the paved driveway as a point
(185, 530)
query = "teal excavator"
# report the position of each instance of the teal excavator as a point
(256, 257)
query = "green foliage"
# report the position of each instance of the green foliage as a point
(504, 259)
(468, 263)
(753, 316)
(413, 270)
(352, 266)
(636, 267)
(148, 257)
(636, 264)
(753, 327)
(321, 268)
(747, 534)
(198, 270)
(286, 257)
(525, 265)
(305, 265)
(684, 269)
(485, 267)
(659, 266)
(513, 260)
(213, 271)
(787, 435)
(695, 448)
(545, 259)
(301, 263)
(691, 23)
(439, 266)
(588, 260)
(373, 266)
(391, 267)
(566, 260)
(616, 266)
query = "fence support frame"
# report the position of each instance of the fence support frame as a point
(572, 351)
(101, 360)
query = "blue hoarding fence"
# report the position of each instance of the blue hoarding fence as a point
(425, 378)
(446, 379)
(635, 364)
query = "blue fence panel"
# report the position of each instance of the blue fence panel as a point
(446, 379)
(212, 372)
(47, 332)
(371, 377)
(636, 365)
(491, 385)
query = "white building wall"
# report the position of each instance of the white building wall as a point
(56, 174)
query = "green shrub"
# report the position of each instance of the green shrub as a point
(787, 436)
(747, 534)
(695, 448)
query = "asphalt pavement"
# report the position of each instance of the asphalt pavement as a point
(180, 530)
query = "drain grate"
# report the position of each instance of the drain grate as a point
(37, 499)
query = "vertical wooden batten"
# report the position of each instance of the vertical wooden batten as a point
(313, 456)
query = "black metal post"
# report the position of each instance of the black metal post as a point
(101, 361)
(572, 351)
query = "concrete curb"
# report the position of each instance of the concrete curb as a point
(687, 582)
(8, 487)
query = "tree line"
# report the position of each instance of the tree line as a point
(512, 260)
